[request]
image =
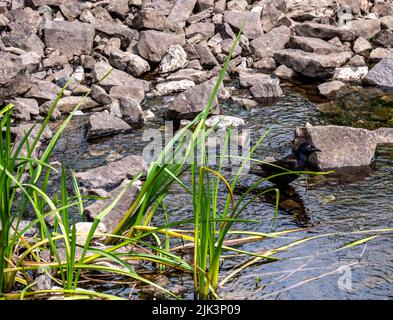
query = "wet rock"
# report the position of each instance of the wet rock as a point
(206, 29)
(244, 102)
(361, 46)
(332, 89)
(381, 53)
(324, 31)
(175, 58)
(104, 124)
(112, 219)
(153, 45)
(341, 146)
(313, 45)
(113, 173)
(284, 72)
(70, 38)
(311, 64)
(266, 89)
(267, 44)
(25, 108)
(179, 14)
(252, 22)
(14, 80)
(366, 28)
(350, 74)
(381, 75)
(189, 103)
(174, 86)
(383, 38)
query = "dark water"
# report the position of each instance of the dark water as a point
(342, 203)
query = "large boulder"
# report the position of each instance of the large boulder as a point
(311, 64)
(310, 44)
(153, 44)
(267, 44)
(70, 38)
(381, 75)
(324, 31)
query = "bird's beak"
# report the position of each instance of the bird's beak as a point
(316, 150)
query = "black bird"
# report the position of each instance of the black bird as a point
(297, 161)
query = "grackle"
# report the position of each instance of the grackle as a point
(297, 161)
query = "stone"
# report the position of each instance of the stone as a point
(203, 15)
(252, 22)
(361, 45)
(128, 91)
(206, 58)
(284, 72)
(324, 31)
(137, 66)
(382, 8)
(179, 14)
(22, 38)
(366, 29)
(265, 64)
(249, 79)
(68, 104)
(25, 108)
(266, 89)
(130, 111)
(267, 44)
(237, 5)
(219, 6)
(204, 4)
(244, 102)
(99, 94)
(386, 22)
(350, 74)
(113, 218)
(313, 45)
(43, 91)
(153, 44)
(340, 146)
(381, 75)
(115, 29)
(82, 230)
(383, 38)
(226, 46)
(105, 124)
(356, 61)
(150, 19)
(381, 53)
(118, 7)
(196, 76)
(174, 59)
(270, 15)
(113, 173)
(73, 9)
(332, 89)
(206, 29)
(14, 80)
(311, 64)
(55, 59)
(31, 61)
(189, 103)
(223, 122)
(70, 38)
(174, 86)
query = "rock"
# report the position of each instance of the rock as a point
(68, 104)
(150, 19)
(131, 63)
(206, 29)
(175, 58)
(309, 9)
(113, 218)
(206, 58)
(153, 44)
(252, 22)
(99, 94)
(204, 4)
(267, 44)
(25, 108)
(381, 53)
(54, 59)
(341, 146)
(14, 80)
(270, 15)
(367, 28)
(265, 64)
(118, 7)
(313, 45)
(73, 9)
(311, 64)
(361, 45)
(382, 8)
(249, 79)
(332, 89)
(383, 38)
(130, 111)
(324, 31)
(386, 22)
(284, 72)
(189, 103)
(196, 76)
(174, 86)
(223, 122)
(43, 91)
(23, 38)
(203, 15)
(115, 29)
(356, 61)
(219, 6)
(128, 91)
(82, 230)
(105, 124)
(290, 204)
(226, 46)
(381, 75)
(179, 14)
(266, 89)
(350, 74)
(116, 77)
(31, 61)
(70, 38)
(244, 102)
(113, 173)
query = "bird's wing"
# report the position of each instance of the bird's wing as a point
(271, 168)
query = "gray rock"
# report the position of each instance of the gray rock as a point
(196, 76)
(226, 46)
(270, 15)
(68, 104)
(265, 64)
(118, 7)
(249, 78)
(104, 124)
(204, 4)
(244, 102)
(381, 53)
(174, 86)
(381, 75)
(356, 61)
(25, 108)
(189, 103)
(179, 14)
(361, 45)
(206, 58)
(386, 22)
(115, 29)
(311, 64)
(99, 94)
(113, 173)
(83, 228)
(350, 74)
(267, 44)
(43, 91)
(137, 66)
(206, 29)
(266, 89)
(382, 8)
(367, 28)
(128, 91)
(324, 31)
(222, 122)
(153, 44)
(70, 38)
(130, 111)
(149, 18)
(72, 9)
(31, 61)
(219, 6)
(313, 45)
(284, 72)
(175, 58)
(384, 38)
(332, 89)
(252, 22)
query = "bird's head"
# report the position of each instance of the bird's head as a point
(305, 149)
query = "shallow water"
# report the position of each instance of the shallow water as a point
(344, 202)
